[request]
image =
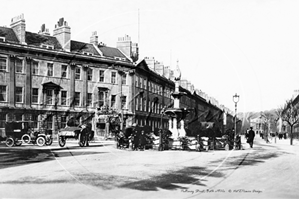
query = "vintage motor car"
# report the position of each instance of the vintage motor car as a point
(19, 132)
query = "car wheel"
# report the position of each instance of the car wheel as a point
(49, 141)
(10, 142)
(40, 141)
(26, 138)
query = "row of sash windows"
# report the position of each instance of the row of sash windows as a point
(64, 71)
(140, 82)
(63, 97)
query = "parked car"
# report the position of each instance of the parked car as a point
(19, 132)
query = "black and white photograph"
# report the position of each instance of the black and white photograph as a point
(154, 99)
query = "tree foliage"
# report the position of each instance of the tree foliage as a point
(290, 114)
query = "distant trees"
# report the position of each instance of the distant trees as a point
(290, 114)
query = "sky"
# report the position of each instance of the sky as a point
(223, 47)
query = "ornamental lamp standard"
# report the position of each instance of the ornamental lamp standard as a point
(235, 100)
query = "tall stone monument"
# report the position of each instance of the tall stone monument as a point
(177, 114)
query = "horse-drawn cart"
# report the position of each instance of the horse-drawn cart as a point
(74, 132)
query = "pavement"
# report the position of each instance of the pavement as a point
(102, 171)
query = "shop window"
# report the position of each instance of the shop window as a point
(63, 121)
(49, 122)
(34, 118)
(2, 120)
(18, 117)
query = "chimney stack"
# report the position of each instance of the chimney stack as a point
(62, 32)
(94, 38)
(19, 27)
(44, 30)
(167, 72)
(150, 61)
(126, 46)
(159, 68)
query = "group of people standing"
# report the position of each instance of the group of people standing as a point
(134, 135)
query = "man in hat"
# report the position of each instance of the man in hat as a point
(84, 135)
(250, 137)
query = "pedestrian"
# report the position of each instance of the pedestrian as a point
(84, 134)
(142, 140)
(136, 137)
(250, 137)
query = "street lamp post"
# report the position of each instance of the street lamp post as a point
(235, 100)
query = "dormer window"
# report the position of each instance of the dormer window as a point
(2, 39)
(47, 46)
(120, 58)
(87, 53)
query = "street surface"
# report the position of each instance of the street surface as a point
(102, 171)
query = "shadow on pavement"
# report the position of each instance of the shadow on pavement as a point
(171, 180)
(18, 156)
(260, 155)
(176, 179)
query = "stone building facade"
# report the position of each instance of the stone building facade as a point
(48, 79)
